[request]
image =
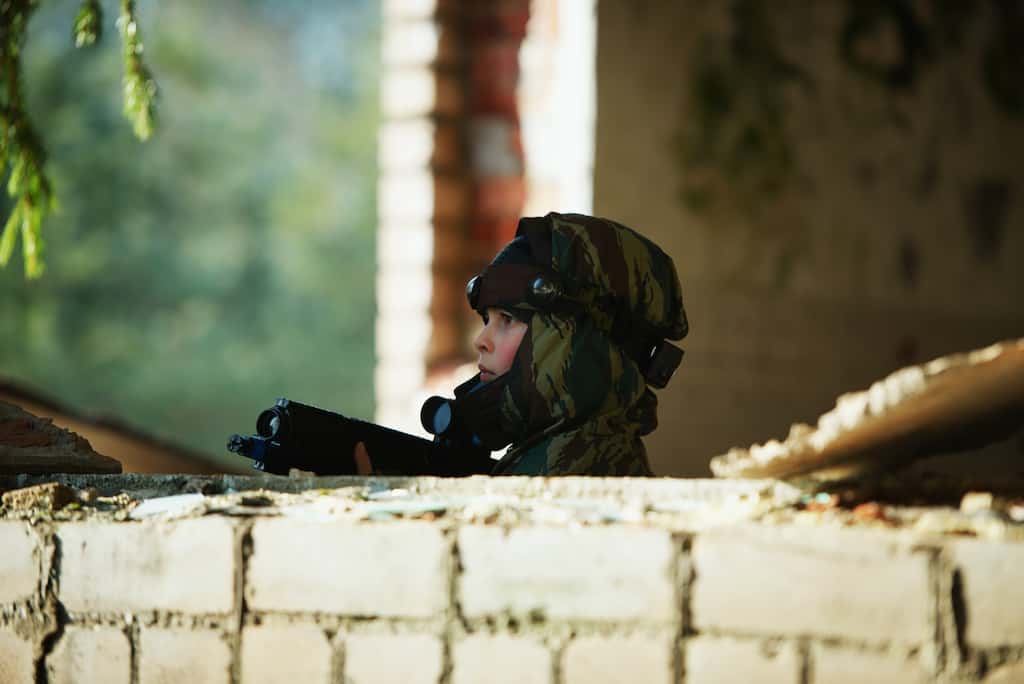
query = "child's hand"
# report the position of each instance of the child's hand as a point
(362, 458)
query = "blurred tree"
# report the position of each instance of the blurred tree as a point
(231, 259)
(20, 146)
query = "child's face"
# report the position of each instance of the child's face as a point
(498, 342)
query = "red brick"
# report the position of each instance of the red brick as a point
(499, 198)
(494, 74)
(490, 235)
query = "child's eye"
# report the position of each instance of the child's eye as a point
(506, 317)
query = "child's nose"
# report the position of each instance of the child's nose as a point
(483, 342)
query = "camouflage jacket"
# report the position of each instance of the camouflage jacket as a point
(577, 403)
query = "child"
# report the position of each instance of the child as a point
(576, 310)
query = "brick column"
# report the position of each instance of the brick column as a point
(492, 33)
(450, 189)
(422, 192)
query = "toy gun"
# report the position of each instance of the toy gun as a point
(293, 435)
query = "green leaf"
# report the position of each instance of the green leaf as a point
(9, 234)
(32, 242)
(88, 25)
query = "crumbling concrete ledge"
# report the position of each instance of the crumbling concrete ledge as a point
(264, 579)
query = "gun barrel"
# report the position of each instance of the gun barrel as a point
(294, 435)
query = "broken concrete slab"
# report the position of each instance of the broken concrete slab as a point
(51, 496)
(30, 444)
(953, 403)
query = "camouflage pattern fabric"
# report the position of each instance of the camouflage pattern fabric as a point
(576, 402)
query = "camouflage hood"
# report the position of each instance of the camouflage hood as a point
(575, 398)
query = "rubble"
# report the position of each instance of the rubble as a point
(29, 444)
(952, 403)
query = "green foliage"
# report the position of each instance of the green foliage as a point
(88, 23)
(139, 86)
(230, 259)
(20, 146)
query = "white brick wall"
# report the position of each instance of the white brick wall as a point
(1007, 674)
(993, 589)
(593, 573)
(710, 660)
(17, 658)
(168, 656)
(90, 655)
(830, 583)
(19, 562)
(501, 659)
(844, 666)
(398, 569)
(272, 654)
(405, 658)
(332, 600)
(186, 566)
(618, 660)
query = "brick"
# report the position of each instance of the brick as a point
(503, 659)
(167, 656)
(491, 234)
(186, 566)
(388, 569)
(618, 660)
(19, 562)
(285, 653)
(406, 658)
(840, 666)
(723, 661)
(421, 197)
(391, 286)
(419, 92)
(497, 149)
(990, 574)
(405, 197)
(408, 9)
(599, 573)
(17, 658)
(410, 43)
(405, 145)
(90, 654)
(494, 72)
(499, 197)
(1007, 674)
(405, 247)
(799, 581)
(451, 198)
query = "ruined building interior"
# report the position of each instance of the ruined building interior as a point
(840, 457)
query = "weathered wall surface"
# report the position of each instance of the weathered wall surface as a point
(520, 580)
(895, 238)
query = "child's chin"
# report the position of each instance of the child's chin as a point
(487, 377)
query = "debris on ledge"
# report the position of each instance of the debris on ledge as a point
(953, 403)
(29, 444)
